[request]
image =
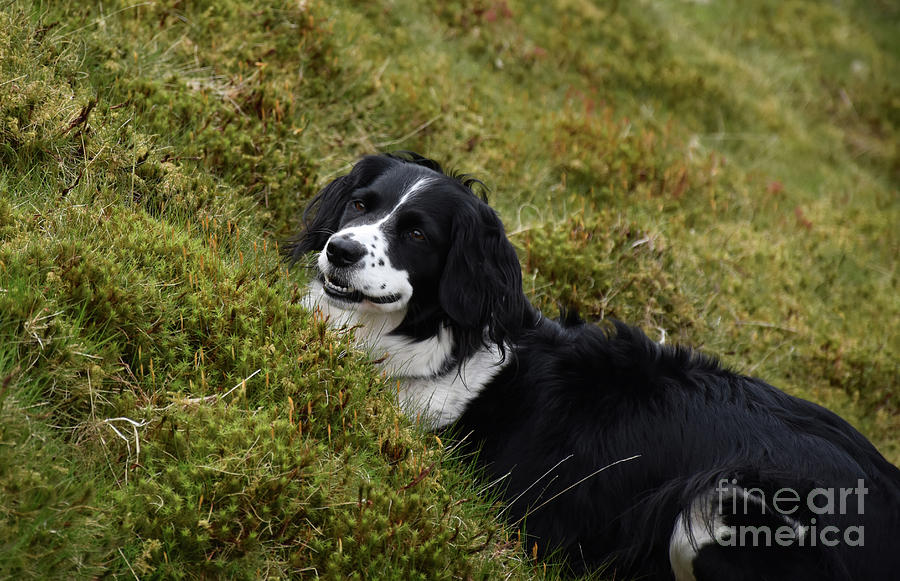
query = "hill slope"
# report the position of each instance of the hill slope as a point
(722, 174)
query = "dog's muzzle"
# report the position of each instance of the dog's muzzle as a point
(345, 257)
(343, 251)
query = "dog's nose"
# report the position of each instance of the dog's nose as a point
(344, 251)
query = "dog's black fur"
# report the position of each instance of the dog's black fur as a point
(603, 441)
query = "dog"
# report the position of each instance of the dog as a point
(611, 451)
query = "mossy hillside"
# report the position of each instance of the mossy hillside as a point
(650, 166)
(197, 421)
(136, 375)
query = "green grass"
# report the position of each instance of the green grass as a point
(724, 174)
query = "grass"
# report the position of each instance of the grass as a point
(724, 174)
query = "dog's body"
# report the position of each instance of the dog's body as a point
(609, 448)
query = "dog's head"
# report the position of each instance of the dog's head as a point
(398, 235)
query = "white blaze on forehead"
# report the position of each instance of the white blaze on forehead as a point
(418, 185)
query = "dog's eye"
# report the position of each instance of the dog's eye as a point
(358, 205)
(417, 234)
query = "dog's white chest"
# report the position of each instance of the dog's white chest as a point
(441, 400)
(428, 391)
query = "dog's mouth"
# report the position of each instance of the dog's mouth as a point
(344, 292)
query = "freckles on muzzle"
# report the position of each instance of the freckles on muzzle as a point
(354, 268)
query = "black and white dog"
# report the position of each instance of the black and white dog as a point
(608, 448)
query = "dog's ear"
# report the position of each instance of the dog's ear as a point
(481, 287)
(322, 215)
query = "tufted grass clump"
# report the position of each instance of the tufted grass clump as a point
(612, 269)
(723, 174)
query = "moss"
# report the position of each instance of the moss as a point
(607, 267)
(730, 185)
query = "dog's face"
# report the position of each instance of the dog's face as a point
(396, 236)
(391, 240)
